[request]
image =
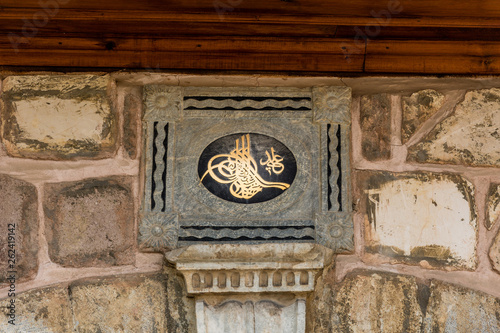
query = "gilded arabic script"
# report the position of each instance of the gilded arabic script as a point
(273, 163)
(240, 169)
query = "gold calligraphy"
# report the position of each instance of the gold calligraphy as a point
(273, 163)
(240, 169)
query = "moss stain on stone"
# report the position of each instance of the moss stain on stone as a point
(417, 109)
(493, 202)
(180, 314)
(467, 191)
(436, 252)
(423, 295)
(388, 251)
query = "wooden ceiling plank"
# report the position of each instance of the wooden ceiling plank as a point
(425, 57)
(360, 8)
(97, 17)
(191, 44)
(184, 60)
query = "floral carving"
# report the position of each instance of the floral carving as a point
(332, 104)
(162, 102)
(158, 231)
(335, 231)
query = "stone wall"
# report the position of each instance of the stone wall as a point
(426, 179)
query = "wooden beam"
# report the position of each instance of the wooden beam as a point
(433, 57)
(210, 54)
(414, 37)
(259, 54)
(13, 18)
(471, 10)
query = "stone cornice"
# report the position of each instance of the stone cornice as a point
(238, 268)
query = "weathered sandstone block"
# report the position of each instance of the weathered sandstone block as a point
(376, 302)
(495, 253)
(419, 216)
(181, 313)
(121, 304)
(493, 208)
(18, 228)
(44, 310)
(131, 123)
(470, 136)
(59, 117)
(456, 309)
(90, 223)
(376, 127)
(417, 109)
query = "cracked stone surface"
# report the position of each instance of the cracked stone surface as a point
(470, 136)
(417, 109)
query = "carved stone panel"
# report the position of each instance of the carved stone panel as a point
(250, 288)
(249, 316)
(246, 165)
(226, 268)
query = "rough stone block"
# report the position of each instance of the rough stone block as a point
(59, 117)
(131, 123)
(377, 302)
(417, 109)
(470, 136)
(495, 253)
(91, 222)
(376, 127)
(419, 216)
(456, 309)
(43, 310)
(181, 313)
(2, 147)
(19, 218)
(121, 304)
(493, 208)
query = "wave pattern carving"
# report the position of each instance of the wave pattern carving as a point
(265, 233)
(190, 103)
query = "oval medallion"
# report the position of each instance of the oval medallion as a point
(247, 168)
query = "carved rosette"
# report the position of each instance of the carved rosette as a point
(335, 231)
(159, 231)
(332, 105)
(162, 102)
